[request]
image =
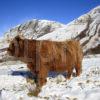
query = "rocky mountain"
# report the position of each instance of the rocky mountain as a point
(33, 29)
(86, 29)
(90, 36)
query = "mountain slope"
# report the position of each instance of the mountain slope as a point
(33, 29)
(86, 29)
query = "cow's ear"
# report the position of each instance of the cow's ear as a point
(17, 38)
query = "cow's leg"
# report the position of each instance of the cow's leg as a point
(31, 67)
(78, 69)
(69, 70)
(30, 78)
(39, 84)
(42, 75)
(41, 79)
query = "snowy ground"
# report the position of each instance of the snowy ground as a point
(13, 85)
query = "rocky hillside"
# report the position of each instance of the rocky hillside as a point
(86, 29)
(33, 29)
(90, 36)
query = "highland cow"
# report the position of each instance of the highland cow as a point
(42, 56)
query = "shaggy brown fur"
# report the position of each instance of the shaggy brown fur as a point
(43, 56)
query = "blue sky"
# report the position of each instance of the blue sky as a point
(13, 12)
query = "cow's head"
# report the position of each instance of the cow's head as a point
(15, 47)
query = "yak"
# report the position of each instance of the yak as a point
(42, 56)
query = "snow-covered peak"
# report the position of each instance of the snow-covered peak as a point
(95, 10)
(33, 29)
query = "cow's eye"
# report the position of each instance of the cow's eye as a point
(12, 44)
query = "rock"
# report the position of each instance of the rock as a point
(33, 29)
(86, 29)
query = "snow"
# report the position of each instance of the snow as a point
(65, 33)
(58, 35)
(33, 29)
(87, 27)
(84, 87)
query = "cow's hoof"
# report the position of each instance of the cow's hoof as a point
(34, 93)
(30, 94)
